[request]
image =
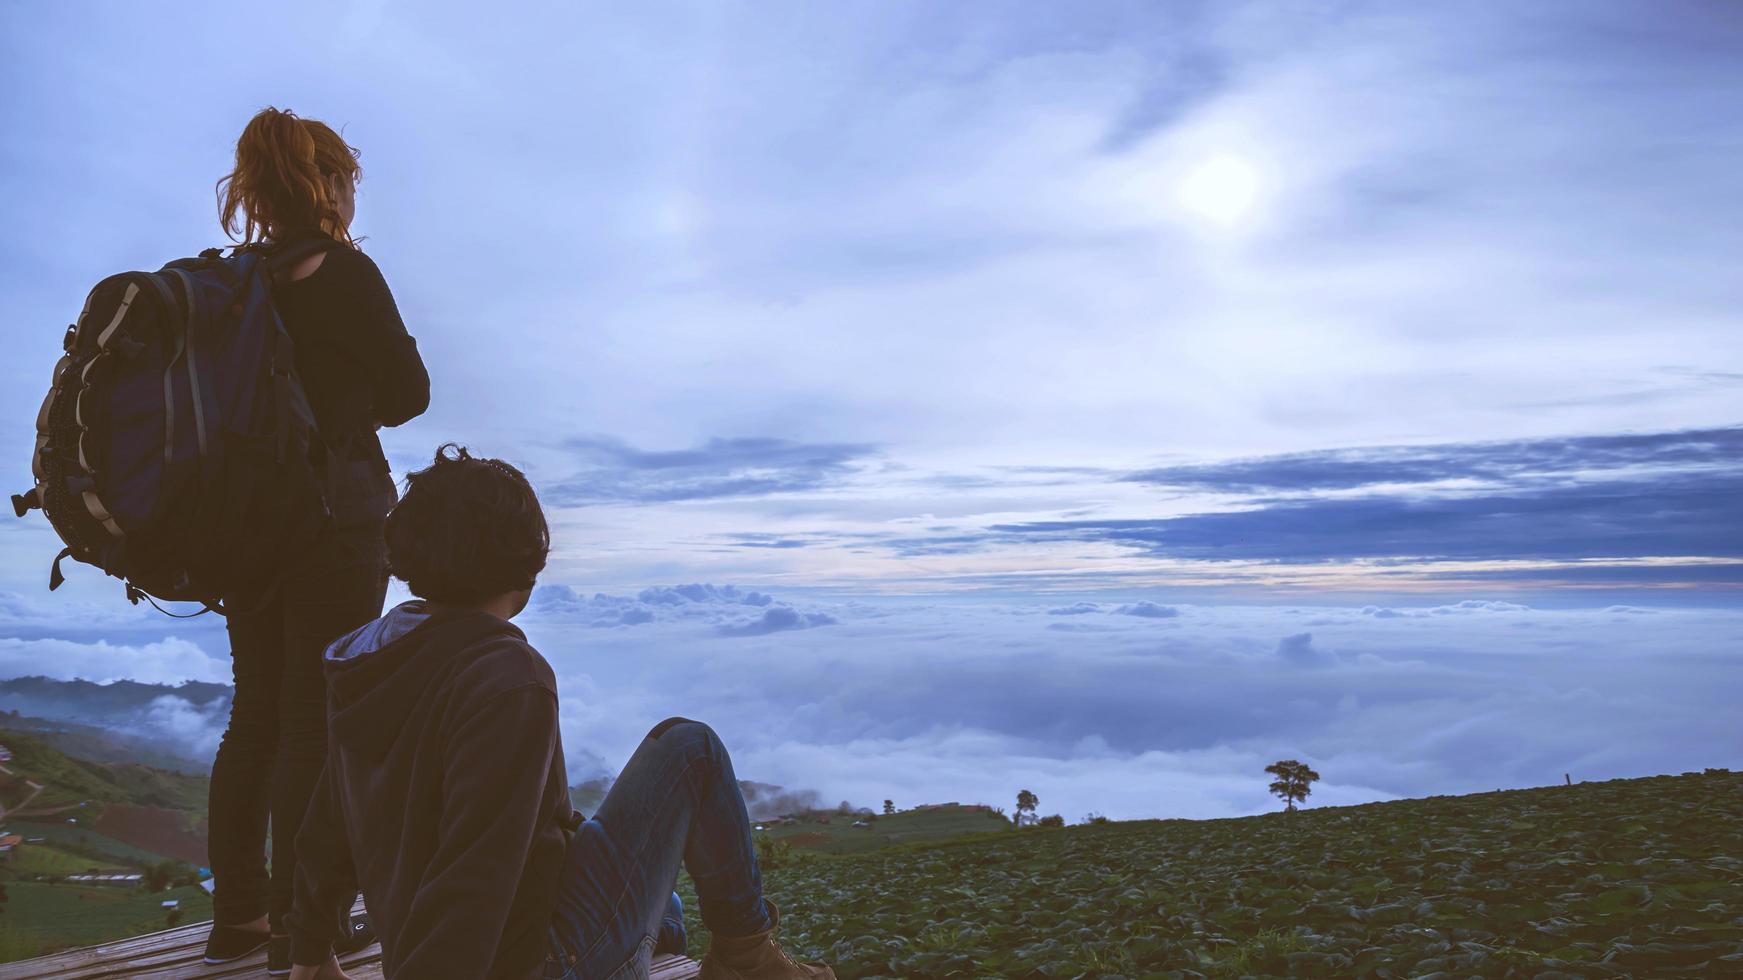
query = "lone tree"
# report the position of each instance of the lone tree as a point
(157, 876)
(1294, 781)
(889, 806)
(1026, 803)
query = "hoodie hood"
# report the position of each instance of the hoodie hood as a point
(372, 636)
(377, 674)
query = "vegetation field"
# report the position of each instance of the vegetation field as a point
(176, 834)
(840, 836)
(1626, 878)
(79, 839)
(41, 918)
(41, 859)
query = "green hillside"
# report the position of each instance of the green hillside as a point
(1627, 878)
(840, 836)
(68, 780)
(72, 828)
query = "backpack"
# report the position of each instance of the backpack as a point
(173, 450)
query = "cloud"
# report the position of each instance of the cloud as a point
(767, 540)
(1465, 607)
(1298, 650)
(679, 594)
(1075, 609)
(1644, 511)
(168, 661)
(1148, 610)
(1694, 514)
(988, 692)
(611, 471)
(1478, 606)
(1505, 462)
(922, 700)
(193, 729)
(776, 619)
(676, 602)
(1078, 628)
(600, 611)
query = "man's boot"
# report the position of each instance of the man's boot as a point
(757, 957)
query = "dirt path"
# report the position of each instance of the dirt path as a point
(35, 791)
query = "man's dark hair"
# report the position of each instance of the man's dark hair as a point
(467, 529)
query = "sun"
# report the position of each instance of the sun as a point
(1222, 189)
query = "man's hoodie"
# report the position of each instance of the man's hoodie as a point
(443, 798)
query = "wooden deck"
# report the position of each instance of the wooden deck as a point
(177, 953)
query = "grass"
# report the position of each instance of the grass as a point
(42, 918)
(1640, 877)
(45, 859)
(908, 827)
(88, 844)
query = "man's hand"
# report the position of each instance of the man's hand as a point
(326, 971)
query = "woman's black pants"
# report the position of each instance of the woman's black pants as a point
(276, 742)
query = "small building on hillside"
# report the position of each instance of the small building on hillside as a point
(107, 879)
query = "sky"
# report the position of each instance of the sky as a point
(1371, 375)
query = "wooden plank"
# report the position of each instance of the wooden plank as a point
(673, 967)
(663, 968)
(176, 952)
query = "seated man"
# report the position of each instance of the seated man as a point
(445, 798)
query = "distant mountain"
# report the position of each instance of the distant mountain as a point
(102, 745)
(171, 726)
(97, 704)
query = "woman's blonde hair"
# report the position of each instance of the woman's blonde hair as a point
(280, 181)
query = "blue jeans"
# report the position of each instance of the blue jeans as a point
(676, 801)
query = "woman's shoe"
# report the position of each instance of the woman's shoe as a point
(757, 957)
(229, 943)
(278, 961)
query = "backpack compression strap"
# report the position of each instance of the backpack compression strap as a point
(283, 256)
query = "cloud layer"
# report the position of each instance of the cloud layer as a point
(1129, 714)
(1164, 716)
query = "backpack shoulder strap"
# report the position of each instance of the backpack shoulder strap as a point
(280, 258)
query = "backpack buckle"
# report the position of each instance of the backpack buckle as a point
(24, 503)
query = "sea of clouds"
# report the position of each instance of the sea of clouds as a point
(1132, 708)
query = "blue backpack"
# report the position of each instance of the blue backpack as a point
(174, 449)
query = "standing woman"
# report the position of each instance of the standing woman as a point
(295, 180)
